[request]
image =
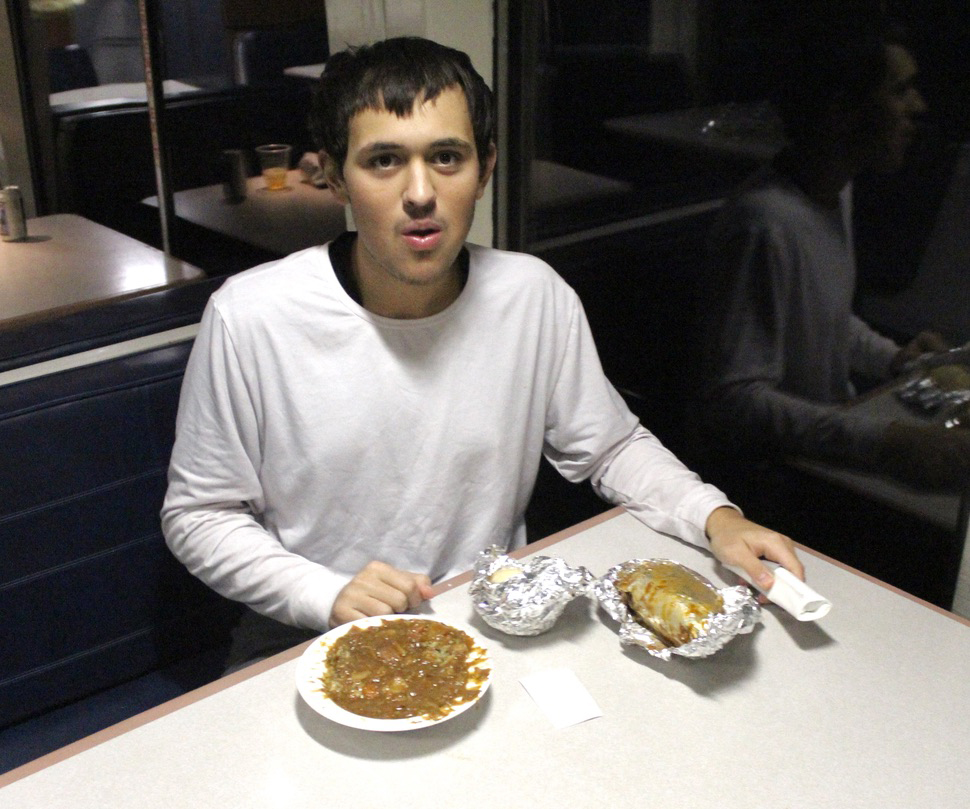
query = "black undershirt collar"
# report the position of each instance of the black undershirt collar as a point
(341, 249)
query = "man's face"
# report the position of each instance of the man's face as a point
(412, 184)
(890, 124)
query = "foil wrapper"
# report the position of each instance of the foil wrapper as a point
(924, 395)
(524, 597)
(739, 616)
(939, 381)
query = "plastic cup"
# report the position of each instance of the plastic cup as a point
(274, 162)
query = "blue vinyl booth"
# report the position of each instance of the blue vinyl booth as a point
(98, 621)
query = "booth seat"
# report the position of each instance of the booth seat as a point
(98, 620)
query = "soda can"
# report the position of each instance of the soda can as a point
(13, 222)
(233, 170)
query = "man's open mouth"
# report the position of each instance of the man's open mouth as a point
(422, 237)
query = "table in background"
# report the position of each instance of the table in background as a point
(282, 222)
(69, 263)
(122, 93)
(736, 131)
(312, 72)
(865, 708)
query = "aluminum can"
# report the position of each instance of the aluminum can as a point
(233, 170)
(13, 222)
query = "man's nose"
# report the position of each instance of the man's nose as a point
(419, 192)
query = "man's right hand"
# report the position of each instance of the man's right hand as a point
(379, 589)
(927, 456)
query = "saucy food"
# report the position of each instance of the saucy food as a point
(401, 669)
(671, 601)
(951, 377)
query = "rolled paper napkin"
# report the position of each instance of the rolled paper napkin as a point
(793, 595)
(310, 166)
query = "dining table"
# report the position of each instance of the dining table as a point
(311, 72)
(118, 93)
(865, 707)
(69, 263)
(298, 216)
(748, 132)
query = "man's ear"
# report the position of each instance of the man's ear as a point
(487, 168)
(334, 177)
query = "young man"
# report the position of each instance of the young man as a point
(362, 418)
(784, 346)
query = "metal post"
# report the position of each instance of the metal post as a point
(153, 54)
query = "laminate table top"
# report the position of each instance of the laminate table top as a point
(866, 708)
(282, 222)
(69, 263)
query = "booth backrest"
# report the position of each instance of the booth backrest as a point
(106, 324)
(90, 596)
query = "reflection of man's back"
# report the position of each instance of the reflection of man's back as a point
(913, 244)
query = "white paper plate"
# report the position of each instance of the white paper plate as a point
(313, 664)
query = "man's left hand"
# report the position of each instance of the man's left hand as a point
(738, 542)
(926, 342)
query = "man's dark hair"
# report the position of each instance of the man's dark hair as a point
(390, 75)
(827, 65)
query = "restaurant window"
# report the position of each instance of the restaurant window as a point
(629, 126)
(650, 106)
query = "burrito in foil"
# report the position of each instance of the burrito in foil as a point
(669, 599)
(668, 609)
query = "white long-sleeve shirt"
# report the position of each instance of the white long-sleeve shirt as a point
(783, 342)
(314, 436)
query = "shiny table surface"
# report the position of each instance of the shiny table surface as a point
(866, 708)
(69, 263)
(282, 222)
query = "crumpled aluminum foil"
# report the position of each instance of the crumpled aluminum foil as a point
(740, 615)
(524, 597)
(923, 394)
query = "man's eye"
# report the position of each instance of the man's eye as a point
(448, 158)
(383, 161)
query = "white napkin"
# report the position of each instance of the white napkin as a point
(561, 696)
(793, 595)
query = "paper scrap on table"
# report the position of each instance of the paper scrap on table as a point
(561, 696)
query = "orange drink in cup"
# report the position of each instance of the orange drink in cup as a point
(274, 161)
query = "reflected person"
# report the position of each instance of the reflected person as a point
(784, 349)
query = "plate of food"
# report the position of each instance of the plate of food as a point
(393, 672)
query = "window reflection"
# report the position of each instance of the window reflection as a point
(638, 121)
(648, 106)
(225, 70)
(645, 106)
